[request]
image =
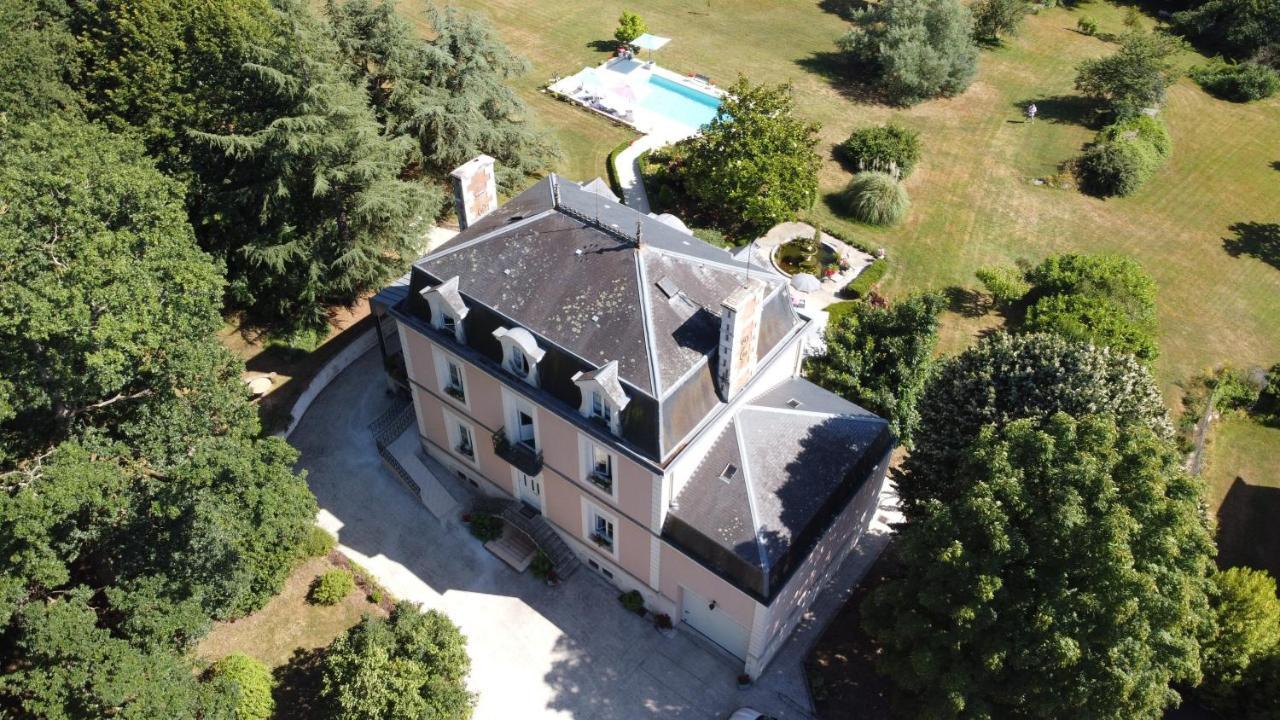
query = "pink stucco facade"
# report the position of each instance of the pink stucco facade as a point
(641, 558)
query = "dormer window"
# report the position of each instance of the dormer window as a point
(520, 353)
(600, 408)
(602, 396)
(447, 308)
(518, 362)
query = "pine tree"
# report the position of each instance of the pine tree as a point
(451, 94)
(313, 210)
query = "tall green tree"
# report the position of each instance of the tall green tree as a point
(164, 67)
(411, 665)
(880, 358)
(133, 460)
(35, 61)
(915, 49)
(1006, 378)
(312, 210)
(1242, 29)
(1065, 576)
(1133, 78)
(994, 19)
(109, 307)
(70, 668)
(755, 164)
(1246, 638)
(630, 27)
(452, 94)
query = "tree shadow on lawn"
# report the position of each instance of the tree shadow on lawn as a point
(1064, 110)
(1256, 240)
(297, 685)
(967, 302)
(607, 45)
(1247, 532)
(842, 75)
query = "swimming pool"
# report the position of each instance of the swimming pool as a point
(679, 103)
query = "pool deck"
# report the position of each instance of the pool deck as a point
(614, 89)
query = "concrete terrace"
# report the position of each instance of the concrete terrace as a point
(537, 652)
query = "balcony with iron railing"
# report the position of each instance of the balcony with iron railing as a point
(524, 458)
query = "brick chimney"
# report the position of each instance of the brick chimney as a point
(475, 190)
(739, 338)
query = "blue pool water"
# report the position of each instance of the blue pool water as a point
(679, 103)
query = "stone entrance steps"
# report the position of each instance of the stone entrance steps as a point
(513, 548)
(537, 529)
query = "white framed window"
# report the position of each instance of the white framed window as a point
(600, 528)
(449, 324)
(462, 437)
(520, 353)
(447, 308)
(452, 375)
(602, 396)
(521, 425)
(599, 467)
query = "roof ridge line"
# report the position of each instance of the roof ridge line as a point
(751, 271)
(793, 411)
(751, 498)
(646, 321)
(486, 236)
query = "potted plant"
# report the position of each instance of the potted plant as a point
(552, 579)
(466, 518)
(662, 621)
(633, 601)
(542, 568)
(744, 681)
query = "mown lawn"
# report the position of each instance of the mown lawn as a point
(1243, 473)
(973, 197)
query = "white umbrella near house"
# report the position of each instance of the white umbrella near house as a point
(804, 282)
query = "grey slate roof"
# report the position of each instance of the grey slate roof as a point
(565, 263)
(792, 465)
(601, 188)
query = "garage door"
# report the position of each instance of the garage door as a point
(715, 623)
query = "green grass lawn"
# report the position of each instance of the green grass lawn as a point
(973, 197)
(1243, 473)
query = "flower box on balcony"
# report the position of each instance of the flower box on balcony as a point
(455, 392)
(602, 541)
(525, 459)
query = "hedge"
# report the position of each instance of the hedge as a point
(1238, 83)
(867, 279)
(612, 170)
(318, 542)
(252, 682)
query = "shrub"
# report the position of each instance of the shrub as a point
(1140, 127)
(1006, 283)
(318, 542)
(1268, 403)
(541, 566)
(663, 621)
(1234, 390)
(1237, 83)
(1117, 168)
(866, 280)
(916, 49)
(486, 527)
(331, 587)
(876, 198)
(891, 149)
(252, 682)
(1087, 25)
(630, 27)
(993, 18)
(632, 600)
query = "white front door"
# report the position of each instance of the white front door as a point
(530, 489)
(710, 620)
